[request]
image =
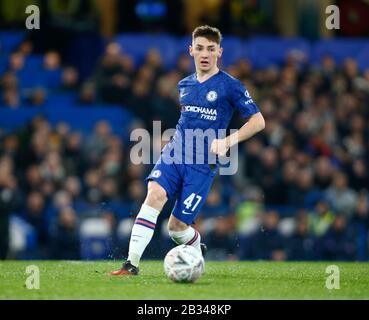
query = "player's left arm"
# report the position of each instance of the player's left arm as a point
(255, 124)
(243, 102)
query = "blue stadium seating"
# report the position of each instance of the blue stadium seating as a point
(24, 236)
(363, 59)
(85, 118)
(267, 51)
(62, 100)
(96, 240)
(79, 118)
(9, 40)
(41, 78)
(34, 62)
(261, 51)
(338, 48)
(12, 119)
(4, 58)
(137, 46)
(233, 50)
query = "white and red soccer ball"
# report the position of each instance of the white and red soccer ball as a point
(184, 263)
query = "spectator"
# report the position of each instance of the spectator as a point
(11, 98)
(267, 175)
(73, 154)
(38, 97)
(52, 61)
(88, 94)
(165, 108)
(253, 149)
(33, 180)
(358, 175)
(112, 81)
(97, 143)
(321, 218)
(360, 224)
(26, 48)
(267, 243)
(184, 65)
(301, 245)
(9, 81)
(153, 60)
(215, 205)
(92, 179)
(339, 242)
(140, 102)
(111, 163)
(72, 185)
(65, 240)
(323, 172)
(16, 62)
(35, 214)
(287, 183)
(340, 195)
(52, 168)
(304, 193)
(108, 190)
(221, 240)
(10, 201)
(69, 79)
(134, 198)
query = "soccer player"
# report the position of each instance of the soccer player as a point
(208, 98)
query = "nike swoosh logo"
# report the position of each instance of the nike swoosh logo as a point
(184, 212)
(183, 94)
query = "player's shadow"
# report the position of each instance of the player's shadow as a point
(196, 284)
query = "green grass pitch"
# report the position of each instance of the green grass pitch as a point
(222, 280)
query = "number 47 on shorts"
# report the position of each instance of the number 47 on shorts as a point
(189, 202)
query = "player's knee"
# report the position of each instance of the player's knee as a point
(174, 225)
(156, 194)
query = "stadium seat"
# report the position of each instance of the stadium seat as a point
(23, 236)
(63, 100)
(338, 48)
(12, 119)
(267, 51)
(4, 58)
(9, 40)
(287, 226)
(79, 118)
(34, 62)
(137, 45)
(34, 75)
(363, 59)
(29, 78)
(96, 241)
(83, 119)
(124, 228)
(233, 51)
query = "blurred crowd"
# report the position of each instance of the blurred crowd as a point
(301, 191)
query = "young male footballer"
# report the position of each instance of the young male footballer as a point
(208, 99)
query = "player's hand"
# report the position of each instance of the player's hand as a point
(219, 147)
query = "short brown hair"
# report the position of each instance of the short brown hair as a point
(210, 33)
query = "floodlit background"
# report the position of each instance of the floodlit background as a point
(71, 93)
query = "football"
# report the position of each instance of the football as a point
(184, 263)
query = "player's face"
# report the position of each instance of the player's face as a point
(205, 54)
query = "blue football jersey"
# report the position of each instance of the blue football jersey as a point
(206, 105)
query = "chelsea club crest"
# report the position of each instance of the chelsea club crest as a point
(211, 96)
